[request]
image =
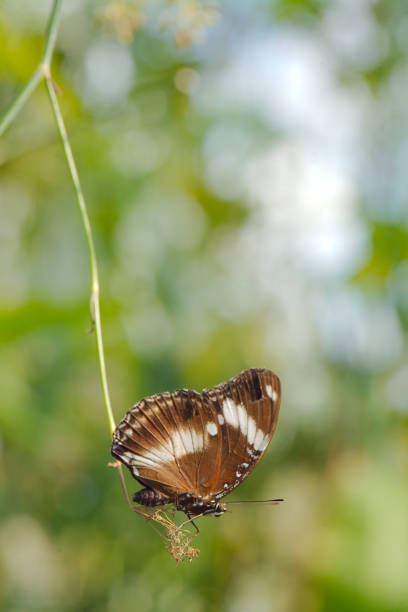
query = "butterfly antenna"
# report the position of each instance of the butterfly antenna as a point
(271, 502)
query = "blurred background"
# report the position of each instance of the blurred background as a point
(245, 167)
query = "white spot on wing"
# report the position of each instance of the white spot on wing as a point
(163, 454)
(190, 441)
(221, 419)
(198, 440)
(229, 409)
(243, 419)
(259, 440)
(177, 443)
(128, 456)
(271, 392)
(264, 443)
(178, 446)
(212, 429)
(251, 430)
(187, 440)
(145, 461)
(157, 456)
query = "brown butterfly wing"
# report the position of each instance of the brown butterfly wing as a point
(247, 409)
(148, 441)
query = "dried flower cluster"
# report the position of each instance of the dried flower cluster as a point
(178, 537)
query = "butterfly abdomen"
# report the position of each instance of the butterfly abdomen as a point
(149, 497)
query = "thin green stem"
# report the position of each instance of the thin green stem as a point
(43, 71)
(95, 308)
(51, 35)
(21, 99)
(38, 74)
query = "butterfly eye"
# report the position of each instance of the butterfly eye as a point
(190, 449)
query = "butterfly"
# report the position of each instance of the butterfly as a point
(190, 449)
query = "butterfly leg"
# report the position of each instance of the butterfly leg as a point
(193, 523)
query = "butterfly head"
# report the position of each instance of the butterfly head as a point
(217, 510)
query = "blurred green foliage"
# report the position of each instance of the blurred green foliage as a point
(245, 171)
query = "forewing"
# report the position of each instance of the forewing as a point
(246, 410)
